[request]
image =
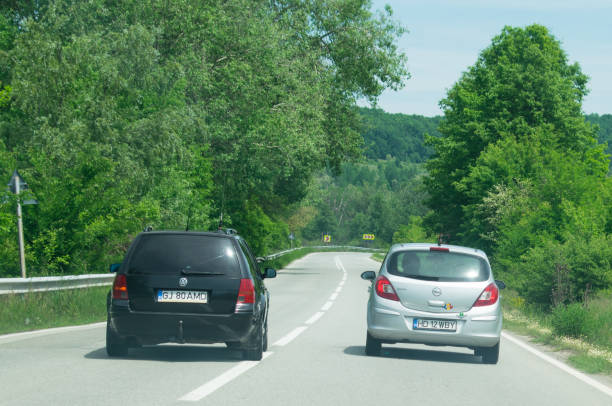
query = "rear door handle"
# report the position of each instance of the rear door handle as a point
(436, 303)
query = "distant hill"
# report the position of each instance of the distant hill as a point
(401, 135)
(397, 135)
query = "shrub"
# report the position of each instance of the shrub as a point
(570, 320)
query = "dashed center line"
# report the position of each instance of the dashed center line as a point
(211, 386)
(229, 375)
(291, 336)
(314, 318)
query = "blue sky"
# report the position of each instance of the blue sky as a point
(446, 37)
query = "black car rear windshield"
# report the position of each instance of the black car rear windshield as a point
(438, 266)
(184, 254)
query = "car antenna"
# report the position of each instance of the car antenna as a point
(442, 239)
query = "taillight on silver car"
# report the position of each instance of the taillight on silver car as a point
(384, 289)
(488, 296)
(120, 287)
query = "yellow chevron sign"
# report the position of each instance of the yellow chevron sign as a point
(327, 238)
(368, 236)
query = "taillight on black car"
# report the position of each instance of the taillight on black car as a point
(488, 296)
(120, 287)
(246, 296)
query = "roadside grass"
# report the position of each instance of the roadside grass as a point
(37, 310)
(378, 256)
(590, 352)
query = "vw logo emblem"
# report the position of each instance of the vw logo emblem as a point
(436, 291)
(183, 282)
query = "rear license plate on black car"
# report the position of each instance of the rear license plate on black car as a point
(432, 324)
(182, 296)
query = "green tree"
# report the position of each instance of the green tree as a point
(521, 87)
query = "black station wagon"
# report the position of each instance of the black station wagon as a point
(189, 287)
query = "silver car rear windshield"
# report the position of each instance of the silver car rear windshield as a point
(438, 266)
(184, 254)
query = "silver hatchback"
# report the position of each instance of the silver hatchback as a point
(435, 295)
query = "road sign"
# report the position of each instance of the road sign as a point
(327, 238)
(368, 237)
(16, 183)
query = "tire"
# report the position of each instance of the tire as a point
(256, 352)
(115, 346)
(373, 346)
(490, 355)
(265, 338)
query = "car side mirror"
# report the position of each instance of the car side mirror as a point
(368, 275)
(500, 284)
(269, 273)
(114, 267)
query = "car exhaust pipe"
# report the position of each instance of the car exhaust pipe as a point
(180, 338)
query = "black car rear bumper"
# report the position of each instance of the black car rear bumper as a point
(154, 328)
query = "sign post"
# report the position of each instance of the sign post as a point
(17, 185)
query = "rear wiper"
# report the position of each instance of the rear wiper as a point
(204, 273)
(424, 278)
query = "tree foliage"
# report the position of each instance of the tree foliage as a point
(397, 135)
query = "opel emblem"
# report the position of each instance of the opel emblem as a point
(436, 291)
(183, 282)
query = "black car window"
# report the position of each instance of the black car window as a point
(438, 266)
(187, 253)
(254, 269)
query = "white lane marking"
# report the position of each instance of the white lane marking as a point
(315, 317)
(333, 296)
(338, 289)
(342, 283)
(291, 336)
(326, 306)
(577, 374)
(7, 338)
(226, 377)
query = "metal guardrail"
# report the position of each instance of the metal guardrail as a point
(44, 283)
(48, 283)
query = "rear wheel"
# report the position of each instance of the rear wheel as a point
(256, 352)
(115, 345)
(490, 355)
(265, 338)
(373, 345)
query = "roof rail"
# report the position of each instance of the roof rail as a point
(228, 231)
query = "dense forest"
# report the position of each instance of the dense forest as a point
(134, 113)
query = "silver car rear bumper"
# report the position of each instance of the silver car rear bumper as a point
(392, 322)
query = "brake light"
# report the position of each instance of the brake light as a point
(488, 296)
(120, 287)
(246, 293)
(443, 249)
(384, 289)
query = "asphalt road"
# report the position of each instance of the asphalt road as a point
(316, 357)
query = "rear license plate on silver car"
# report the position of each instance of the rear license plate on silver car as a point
(182, 296)
(432, 324)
